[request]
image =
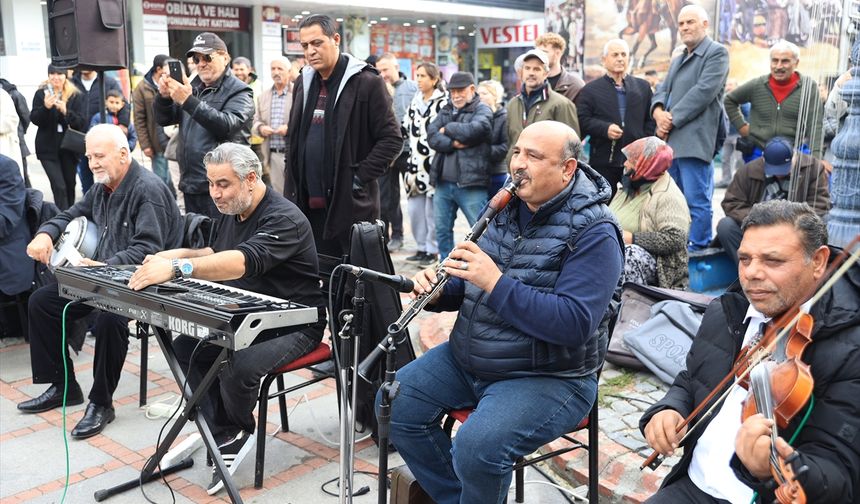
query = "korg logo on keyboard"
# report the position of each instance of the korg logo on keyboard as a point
(183, 326)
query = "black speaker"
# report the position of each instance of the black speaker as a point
(89, 33)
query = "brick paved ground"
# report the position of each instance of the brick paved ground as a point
(32, 463)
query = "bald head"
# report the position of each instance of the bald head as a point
(544, 160)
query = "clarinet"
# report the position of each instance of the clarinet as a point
(496, 204)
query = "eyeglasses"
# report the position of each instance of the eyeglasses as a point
(205, 57)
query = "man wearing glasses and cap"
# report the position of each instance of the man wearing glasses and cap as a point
(215, 107)
(781, 173)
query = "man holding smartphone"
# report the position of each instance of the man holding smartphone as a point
(213, 108)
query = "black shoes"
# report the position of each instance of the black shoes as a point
(428, 260)
(53, 398)
(233, 452)
(94, 421)
(422, 258)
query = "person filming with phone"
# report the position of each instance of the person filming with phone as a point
(55, 112)
(213, 108)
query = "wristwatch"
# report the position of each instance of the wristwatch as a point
(177, 271)
(186, 268)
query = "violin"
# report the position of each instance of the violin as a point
(779, 390)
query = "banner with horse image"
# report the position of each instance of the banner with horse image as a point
(748, 28)
(649, 27)
(567, 18)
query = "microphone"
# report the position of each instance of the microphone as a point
(396, 282)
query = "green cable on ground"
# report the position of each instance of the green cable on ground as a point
(796, 432)
(65, 391)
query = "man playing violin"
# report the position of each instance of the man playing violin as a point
(531, 333)
(783, 258)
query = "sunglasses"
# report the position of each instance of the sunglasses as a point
(201, 57)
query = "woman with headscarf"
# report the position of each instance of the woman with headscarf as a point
(653, 215)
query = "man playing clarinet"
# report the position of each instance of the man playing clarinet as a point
(533, 294)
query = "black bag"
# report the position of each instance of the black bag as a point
(636, 303)
(382, 307)
(74, 140)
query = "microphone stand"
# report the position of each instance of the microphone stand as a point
(389, 388)
(353, 328)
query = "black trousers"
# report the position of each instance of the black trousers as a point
(47, 352)
(336, 246)
(229, 404)
(729, 234)
(683, 490)
(62, 174)
(202, 204)
(389, 198)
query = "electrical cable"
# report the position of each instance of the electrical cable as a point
(64, 352)
(551, 482)
(361, 491)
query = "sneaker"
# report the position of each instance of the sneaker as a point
(233, 452)
(428, 260)
(395, 244)
(417, 257)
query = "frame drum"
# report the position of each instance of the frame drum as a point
(79, 238)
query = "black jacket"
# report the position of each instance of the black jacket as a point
(48, 139)
(140, 217)
(211, 116)
(367, 140)
(473, 126)
(91, 102)
(597, 108)
(499, 143)
(830, 441)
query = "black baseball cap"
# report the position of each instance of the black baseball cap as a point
(206, 43)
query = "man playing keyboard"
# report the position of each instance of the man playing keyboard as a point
(263, 244)
(136, 216)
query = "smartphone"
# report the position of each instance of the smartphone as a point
(175, 68)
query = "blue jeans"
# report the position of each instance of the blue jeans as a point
(512, 418)
(696, 180)
(446, 200)
(160, 168)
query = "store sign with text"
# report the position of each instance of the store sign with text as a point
(522, 34)
(199, 16)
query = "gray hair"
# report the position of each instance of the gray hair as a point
(326, 24)
(812, 229)
(785, 45)
(241, 60)
(615, 41)
(240, 157)
(110, 131)
(700, 11)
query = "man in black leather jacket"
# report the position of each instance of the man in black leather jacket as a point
(213, 108)
(783, 258)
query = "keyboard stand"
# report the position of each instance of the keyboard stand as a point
(189, 412)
